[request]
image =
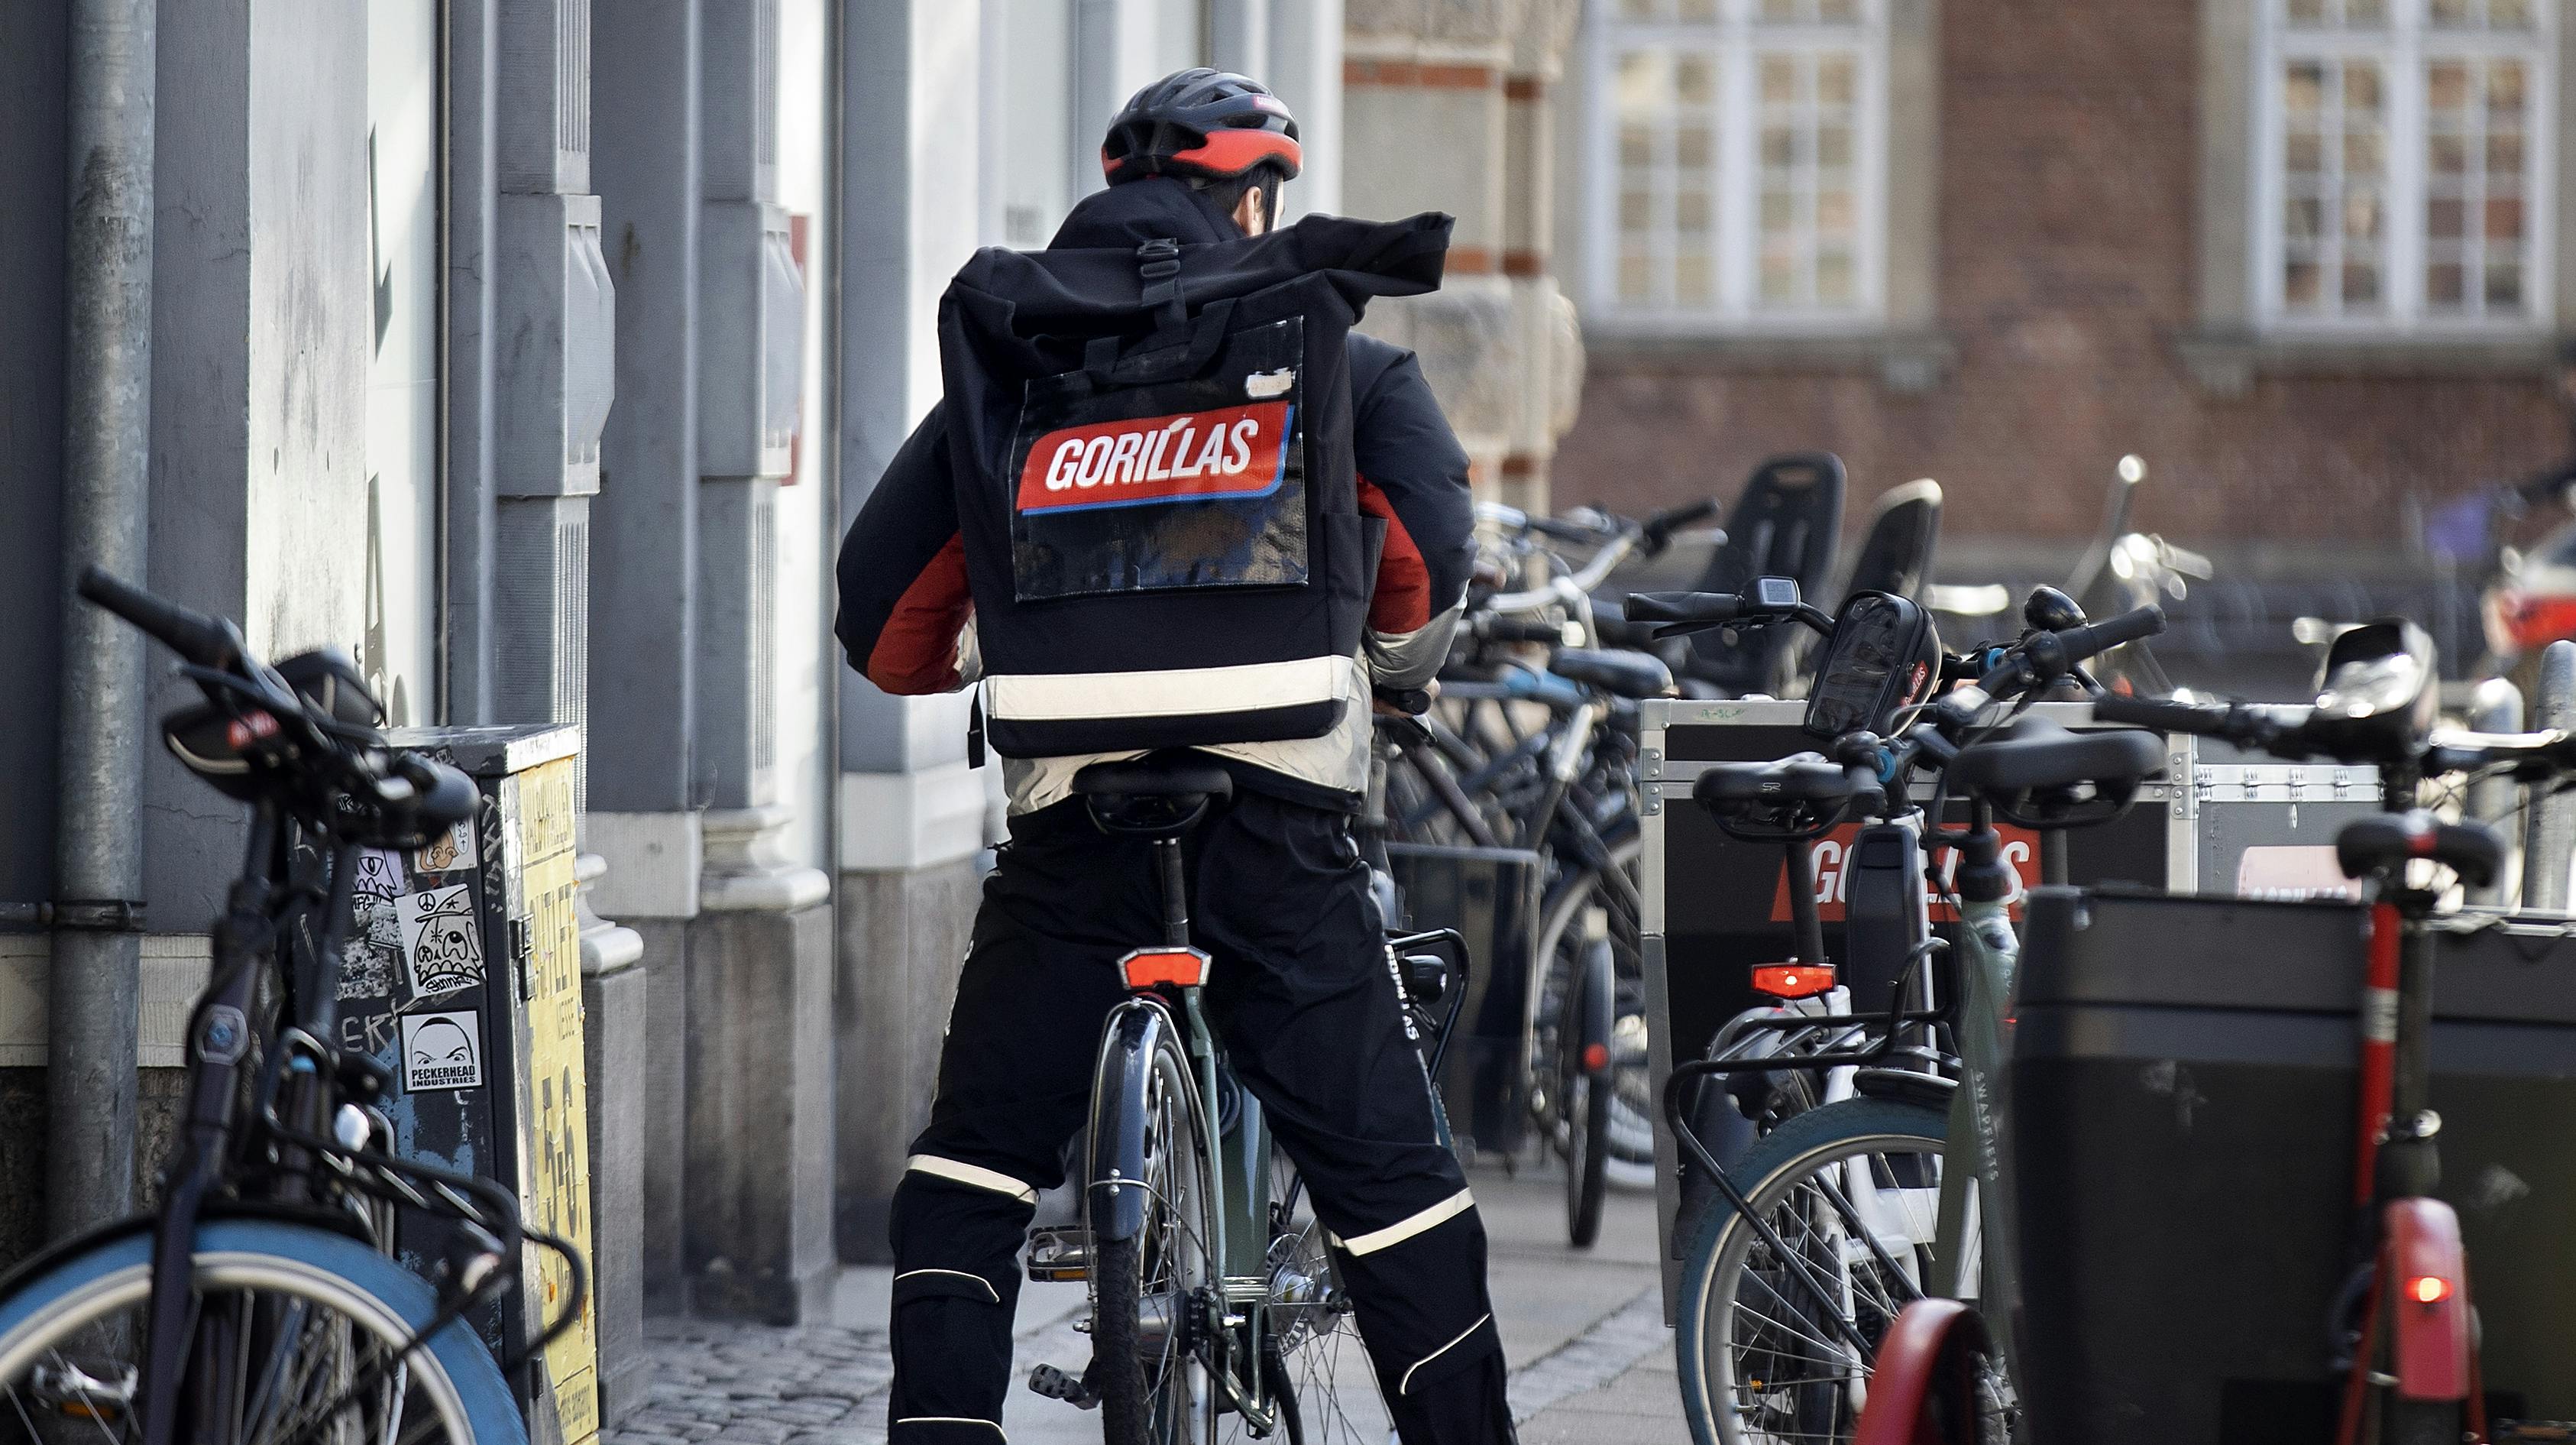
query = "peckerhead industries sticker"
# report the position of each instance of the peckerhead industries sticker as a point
(442, 1051)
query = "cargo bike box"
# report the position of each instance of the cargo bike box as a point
(1717, 907)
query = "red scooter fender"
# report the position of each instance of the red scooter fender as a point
(2432, 1333)
(1923, 1386)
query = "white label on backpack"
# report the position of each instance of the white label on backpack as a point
(1263, 385)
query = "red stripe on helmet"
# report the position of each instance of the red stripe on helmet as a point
(1226, 152)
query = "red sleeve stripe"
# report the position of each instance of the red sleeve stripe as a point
(917, 651)
(1402, 602)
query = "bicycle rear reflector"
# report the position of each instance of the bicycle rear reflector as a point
(1154, 967)
(1793, 980)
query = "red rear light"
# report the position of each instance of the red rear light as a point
(1793, 980)
(1596, 1057)
(1153, 967)
(2529, 621)
(2428, 1289)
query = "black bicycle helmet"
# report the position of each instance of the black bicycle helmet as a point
(1200, 122)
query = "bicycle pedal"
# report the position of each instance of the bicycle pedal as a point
(1055, 1384)
(1060, 1254)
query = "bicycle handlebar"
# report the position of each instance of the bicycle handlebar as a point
(1658, 529)
(1518, 629)
(203, 640)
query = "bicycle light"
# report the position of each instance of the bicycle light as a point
(1793, 980)
(1151, 967)
(2428, 1289)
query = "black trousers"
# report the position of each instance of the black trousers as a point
(1312, 1024)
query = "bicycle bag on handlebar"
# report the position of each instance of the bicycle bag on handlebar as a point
(1155, 490)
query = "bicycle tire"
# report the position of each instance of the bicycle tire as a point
(1630, 1157)
(463, 1385)
(1586, 1093)
(1713, 1267)
(1154, 1386)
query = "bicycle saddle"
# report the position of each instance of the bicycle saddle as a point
(1632, 675)
(2040, 775)
(2389, 841)
(1157, 795)
(1801, 778)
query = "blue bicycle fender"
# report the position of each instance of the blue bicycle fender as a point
(1116, 1201)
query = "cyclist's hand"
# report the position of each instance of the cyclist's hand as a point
(1426, 695)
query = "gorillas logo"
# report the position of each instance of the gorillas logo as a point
(1226, 453)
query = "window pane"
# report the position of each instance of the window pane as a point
(2453, 12)
(1691, 210)
(2299, 285)
(1636, 145)
(2361, 216)
(2446, 285)
(2445, 218)
(2504, 219)
(2302, 218)
(1695, 80)
(2446, 85)
(2360, 86)
(1636, 210)
(1636, 275)
(2302, 89)
(1779, 274)
(1779, 211)
(1645, 81)
(2360, 283)
(2307, 12)
(1836, 213)
(1694, 148)
(2504, 153)
(1838, 12)
(1640, 10)
(1779, 146)
(1779, 80)
(1835, 75)
(1834, 146)
(2365, 14)
(2449, 153)
(2303, 151)
(2508, 14)
(2504, 284)
(1834, 278)
(1699, 10)
(2361, 150)
(1692, 280)
(2504, 87)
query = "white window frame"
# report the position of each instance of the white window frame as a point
(2402, 48)
(1738, 308)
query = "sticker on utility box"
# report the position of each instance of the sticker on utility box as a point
(442, 1051)
(442, 942)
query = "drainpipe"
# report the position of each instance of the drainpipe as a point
(107, 425)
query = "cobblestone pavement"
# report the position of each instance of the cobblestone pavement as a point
(1591, 1358)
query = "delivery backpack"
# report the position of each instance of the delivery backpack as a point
(1152, 456)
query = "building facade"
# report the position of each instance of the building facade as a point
(536, 353)
(2309, 257)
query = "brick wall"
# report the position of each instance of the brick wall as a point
(2067, 187)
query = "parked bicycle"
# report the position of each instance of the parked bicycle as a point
(1850, 1210)
(260, 1303)
(1216, 1310)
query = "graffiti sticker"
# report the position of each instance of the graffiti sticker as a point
(442, 1051)
(442, 945)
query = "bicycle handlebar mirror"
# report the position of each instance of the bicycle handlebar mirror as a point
(1883, 657)
(2379, 694)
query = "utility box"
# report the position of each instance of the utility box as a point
(463, 978)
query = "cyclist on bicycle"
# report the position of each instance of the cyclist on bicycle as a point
(1122, 623)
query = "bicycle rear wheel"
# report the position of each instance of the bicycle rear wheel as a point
(1774, 1349)
(1584, 1088)
(300, 1335)
(1153, 1292)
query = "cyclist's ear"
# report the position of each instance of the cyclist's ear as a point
(1252, 211)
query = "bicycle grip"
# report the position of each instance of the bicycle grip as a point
(1659, 528)
(193, 635)
(445, 796)
(1707, 607)
(2101, 637)
(2162, 714)
(1519, 629)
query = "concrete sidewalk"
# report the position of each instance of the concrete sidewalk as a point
(1591, 1359)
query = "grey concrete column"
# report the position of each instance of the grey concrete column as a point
(645, 807)
(912, 814)
(757, 1234)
